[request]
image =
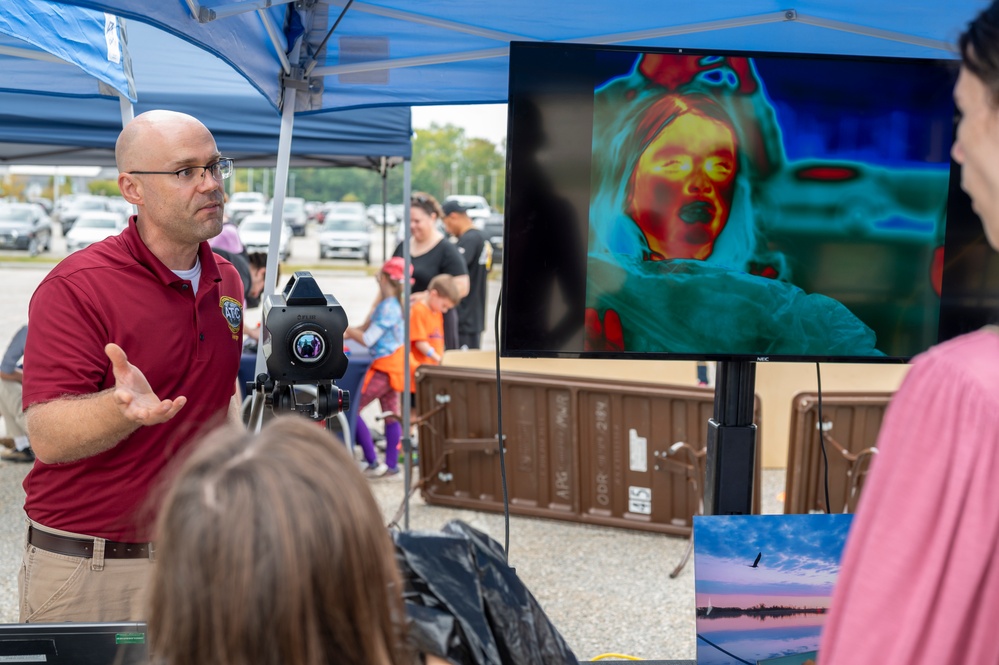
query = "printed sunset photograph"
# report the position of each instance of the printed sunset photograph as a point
(763, 584)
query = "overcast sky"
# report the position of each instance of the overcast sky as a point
(481, 121)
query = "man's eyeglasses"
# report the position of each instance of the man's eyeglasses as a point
(220, 170)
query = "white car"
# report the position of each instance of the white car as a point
(294, 214)
(345, 235)
(476, 206)
(376, 215)
(80, 205)
(121, 206)
(255, 233)
(91, 227)
(242, 204)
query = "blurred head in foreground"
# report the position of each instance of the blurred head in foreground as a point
(271, 550)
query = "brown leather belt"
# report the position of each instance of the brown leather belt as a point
(84, 547)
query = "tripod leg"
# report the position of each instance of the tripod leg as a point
(255, 417)
(341, 429)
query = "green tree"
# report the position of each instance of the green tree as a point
(445, 161)
(104, 188)
(12, 186)
(485, 170)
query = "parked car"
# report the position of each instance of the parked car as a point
(121, 206)
(294, 214)
(255, 233)
(91, 227)
(382, 215)
(345, 235)
(43, 202)
(476, 206)
(25, 226)
(241, 204)
(493, 231)
(312, 208)
(345, 207)
(80, 205)
(398, 211)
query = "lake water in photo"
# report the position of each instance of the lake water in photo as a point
(754, 637)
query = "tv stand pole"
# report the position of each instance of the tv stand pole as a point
(731, 456)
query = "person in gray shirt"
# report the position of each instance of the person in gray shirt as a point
(11, 374)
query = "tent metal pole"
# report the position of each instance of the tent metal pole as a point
(205, 14)
(412, 17)
(277, 203)
(274, 35)
(42, 56)
(877, 33)
(127, 115)
(504, 51)
(407, 442)
(399, 63)
(384, 172)
(127, 110)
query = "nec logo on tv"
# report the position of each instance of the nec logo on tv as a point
(763, 359)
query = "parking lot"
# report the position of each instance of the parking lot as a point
(304, 249)
(351, 281)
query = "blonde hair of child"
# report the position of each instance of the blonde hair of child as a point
(445, 287)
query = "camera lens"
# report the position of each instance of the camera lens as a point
(309, 346)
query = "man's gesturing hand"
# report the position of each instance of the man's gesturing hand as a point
(133, 395)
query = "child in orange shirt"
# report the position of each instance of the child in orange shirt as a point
(426, 320)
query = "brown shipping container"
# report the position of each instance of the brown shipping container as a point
(588, 450)
(852, 422)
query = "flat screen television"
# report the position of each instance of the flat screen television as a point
(675, 203)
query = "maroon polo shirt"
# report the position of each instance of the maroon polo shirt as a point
(185, 344)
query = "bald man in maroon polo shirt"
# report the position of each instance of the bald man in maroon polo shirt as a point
(104, 425)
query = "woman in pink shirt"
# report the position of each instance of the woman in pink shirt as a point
(919, 581)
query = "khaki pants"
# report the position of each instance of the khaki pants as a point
(10, 407)
(56, 587)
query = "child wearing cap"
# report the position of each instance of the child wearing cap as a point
(383, 334)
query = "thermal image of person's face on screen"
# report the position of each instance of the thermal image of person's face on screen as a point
(673, 162)
(680, 190)
(683, 147)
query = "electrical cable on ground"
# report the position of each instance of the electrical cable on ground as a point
(616, 656)
(500, 440)
(822, 439)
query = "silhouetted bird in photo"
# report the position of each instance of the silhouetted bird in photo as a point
(756, 564)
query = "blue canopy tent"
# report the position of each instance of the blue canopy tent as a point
(41, 129)
(385, 52)
(88, 61)
(39, 132)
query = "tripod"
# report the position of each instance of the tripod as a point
(319, 401)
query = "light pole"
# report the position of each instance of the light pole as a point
(492, 189)
(454, 177)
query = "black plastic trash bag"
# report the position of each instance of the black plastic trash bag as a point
(465, 603)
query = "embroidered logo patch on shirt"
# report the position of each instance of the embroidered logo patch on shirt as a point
(232, 310)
